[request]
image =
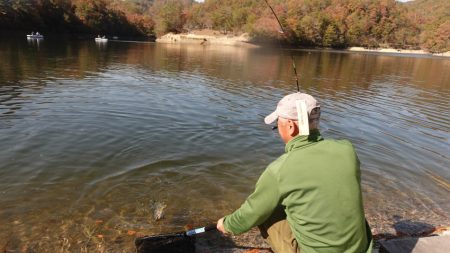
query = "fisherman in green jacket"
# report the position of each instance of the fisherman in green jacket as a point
(308, 200)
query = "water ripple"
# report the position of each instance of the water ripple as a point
(106, 130)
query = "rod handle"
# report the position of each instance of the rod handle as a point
(201, 230)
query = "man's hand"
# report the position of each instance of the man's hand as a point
(220, 226)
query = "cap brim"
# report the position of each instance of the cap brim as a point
(269, 119)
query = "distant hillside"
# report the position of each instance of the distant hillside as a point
(419, 24)
(114, 17)
(431, 8)
(433, 18)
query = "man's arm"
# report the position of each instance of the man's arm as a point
(256, 209)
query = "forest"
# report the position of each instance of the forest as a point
(419, 24)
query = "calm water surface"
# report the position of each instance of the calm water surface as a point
(94, 139)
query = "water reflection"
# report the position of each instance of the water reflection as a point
(259, 66)
(101, 44)
(35, 42)
(92, 136)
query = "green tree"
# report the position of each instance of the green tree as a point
(332, 37)
(169, 16)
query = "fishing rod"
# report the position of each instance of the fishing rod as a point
(284, 33)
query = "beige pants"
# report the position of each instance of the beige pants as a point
(278, 234)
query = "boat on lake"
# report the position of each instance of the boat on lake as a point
(101, 39)
(35, 36)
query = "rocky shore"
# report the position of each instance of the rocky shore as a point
(396, 51)
(212, 37)
(252, 242)
(206, 37)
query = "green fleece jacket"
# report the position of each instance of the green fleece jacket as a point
(317, 182)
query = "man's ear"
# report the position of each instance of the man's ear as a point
(293, 128)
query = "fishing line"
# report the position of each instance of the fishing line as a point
(284, 33)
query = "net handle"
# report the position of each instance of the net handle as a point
(201, 230)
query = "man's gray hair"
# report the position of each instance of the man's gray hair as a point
(314, 118)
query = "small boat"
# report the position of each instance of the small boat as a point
(35, 36)
(101, 39)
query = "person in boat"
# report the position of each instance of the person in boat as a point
(309, 199)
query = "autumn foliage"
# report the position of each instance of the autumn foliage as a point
(420, 24)
(76, 16)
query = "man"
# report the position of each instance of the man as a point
(309, 199)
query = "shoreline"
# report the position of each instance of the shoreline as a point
(211, 37)
(205, 38)
(397, 51)
(252, 240)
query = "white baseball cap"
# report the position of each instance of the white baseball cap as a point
(287, 108)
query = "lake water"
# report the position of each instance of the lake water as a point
(96, 139)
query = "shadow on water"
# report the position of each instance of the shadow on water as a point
(407, 234)
(407, 227)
